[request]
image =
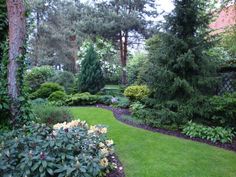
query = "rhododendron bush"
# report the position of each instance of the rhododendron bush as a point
(67, 149)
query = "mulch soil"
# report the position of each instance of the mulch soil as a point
(119, 171)
(119, 113)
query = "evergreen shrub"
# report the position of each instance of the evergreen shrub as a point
(65, 79)
(58, 96)
(82, 99)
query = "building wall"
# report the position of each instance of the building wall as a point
(225, 19)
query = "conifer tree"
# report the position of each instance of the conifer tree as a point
(91, 77)
(180, 67)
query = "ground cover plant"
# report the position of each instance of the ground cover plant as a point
(214, 134)
(149, 154)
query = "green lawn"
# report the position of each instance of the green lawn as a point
(147, 154)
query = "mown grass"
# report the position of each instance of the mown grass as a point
(148, 154)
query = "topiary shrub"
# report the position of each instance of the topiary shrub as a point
(82, 99)
(137, 92)
(37, 76)
(46, 90)
(58, 96)
(66, 79)
(51, 115)
(68, 149)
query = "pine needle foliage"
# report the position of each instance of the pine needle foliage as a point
(91, 77)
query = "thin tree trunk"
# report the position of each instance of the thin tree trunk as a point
(122, 58)
(125, 58)
(17, 32)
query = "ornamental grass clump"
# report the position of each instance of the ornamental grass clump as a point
(67, 149)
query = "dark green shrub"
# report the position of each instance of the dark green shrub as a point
(223, 112)
(58, 96)
(82, 99)
(164, 116)
(120, 102)
(4, 98)
(137, 92)
(37, 76)
(65, 79)
(46, 90)
(105, 99)
(70, 149)
(213, 134)
(112, 90)
(39, 101)
(211, 111)
(51, 115)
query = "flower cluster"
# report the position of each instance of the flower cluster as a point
(67, 125)
(97, 129)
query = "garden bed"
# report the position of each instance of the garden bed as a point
(119, 171)
(119, 113)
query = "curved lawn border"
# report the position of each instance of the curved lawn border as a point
(118, 113)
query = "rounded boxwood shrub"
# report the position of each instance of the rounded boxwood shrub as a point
(46, 90)
(137, 92)
(58, 96)
(68, 149)
(37, 76)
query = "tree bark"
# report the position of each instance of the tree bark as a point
(73, 40)
(37, 40)
(123, 55)
(17, 32)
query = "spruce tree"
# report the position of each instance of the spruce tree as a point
(180, 67)
(91, 77)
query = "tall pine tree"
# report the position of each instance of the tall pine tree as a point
(91, 77)
(180, 67)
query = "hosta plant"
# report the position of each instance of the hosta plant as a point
(214, 134)
(68, 149)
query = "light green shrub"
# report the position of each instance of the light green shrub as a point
(137, 92)
(46, 90)
(58, 96)
(82, 99)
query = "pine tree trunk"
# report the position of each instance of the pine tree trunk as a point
(123, 55)
(122, 58)
(73, 40)
(17, 32)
